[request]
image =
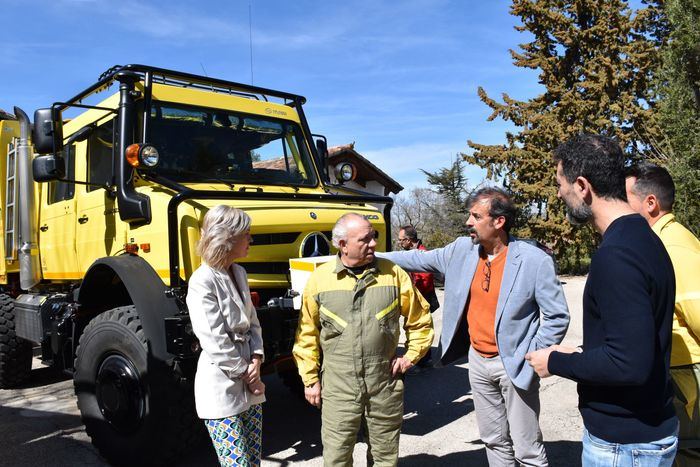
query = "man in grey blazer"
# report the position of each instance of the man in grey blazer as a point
(502, 300)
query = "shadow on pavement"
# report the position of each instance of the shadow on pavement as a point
(566, 453)
(37, 437)
(291, 424)
(437, 398)
(43, 376)
(291, 427)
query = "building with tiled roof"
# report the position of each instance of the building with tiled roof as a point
(369, 177)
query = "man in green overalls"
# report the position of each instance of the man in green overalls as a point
(346, 344)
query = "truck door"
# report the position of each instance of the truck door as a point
(57, 222)
(97, 217)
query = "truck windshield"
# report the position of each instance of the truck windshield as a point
(199, 144)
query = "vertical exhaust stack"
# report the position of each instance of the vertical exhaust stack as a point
(29, 267)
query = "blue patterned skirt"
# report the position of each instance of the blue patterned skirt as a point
(238, 439)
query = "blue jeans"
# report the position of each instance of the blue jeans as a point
(600, 453)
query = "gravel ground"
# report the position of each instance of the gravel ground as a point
(40, 423)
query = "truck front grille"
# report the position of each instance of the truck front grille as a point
(275, 238)
(266, 268)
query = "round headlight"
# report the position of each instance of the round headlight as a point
(149, 156)
(346, 172)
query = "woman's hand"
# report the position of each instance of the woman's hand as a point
(257, 388)
(252, 374)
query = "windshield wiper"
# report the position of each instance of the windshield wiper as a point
(199, 178)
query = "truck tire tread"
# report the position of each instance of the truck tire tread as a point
(170, 426)
(15, 352)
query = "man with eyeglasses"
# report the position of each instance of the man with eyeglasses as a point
(503, 297)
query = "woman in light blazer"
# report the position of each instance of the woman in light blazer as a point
(228, 390)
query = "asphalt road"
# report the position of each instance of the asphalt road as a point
(40, 423)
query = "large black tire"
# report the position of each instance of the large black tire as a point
(15, 353)
(135, 408)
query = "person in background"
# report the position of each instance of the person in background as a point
(423, 281)
(625, 393)
(502, 299)
(346, 345)
(651, 192)
(228, 390)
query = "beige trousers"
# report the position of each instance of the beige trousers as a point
(507, 417)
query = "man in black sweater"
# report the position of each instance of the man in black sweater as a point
(622, 370)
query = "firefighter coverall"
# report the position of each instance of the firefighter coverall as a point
(347, 335)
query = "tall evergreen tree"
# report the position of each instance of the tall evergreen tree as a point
(680, 108)
(451, 184)
(596, 60)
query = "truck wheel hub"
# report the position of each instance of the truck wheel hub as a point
(119, 393)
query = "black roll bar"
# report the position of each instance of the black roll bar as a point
(149, 74)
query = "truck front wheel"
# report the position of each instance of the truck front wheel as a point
(15, 353)
(135, 409)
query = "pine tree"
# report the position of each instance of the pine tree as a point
(450, 216)
(680, 108)
(596, 60)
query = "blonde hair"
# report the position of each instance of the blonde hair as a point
(222, 224)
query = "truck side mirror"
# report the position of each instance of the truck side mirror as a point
(47, 134)
(48, 168)
(322, 148)
(322, 151)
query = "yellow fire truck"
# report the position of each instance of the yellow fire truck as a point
(100, 213)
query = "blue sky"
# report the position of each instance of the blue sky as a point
(399, 78)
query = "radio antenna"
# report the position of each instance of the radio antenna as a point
(205, 73)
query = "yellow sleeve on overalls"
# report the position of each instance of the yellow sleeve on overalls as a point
(307, 345)
(686, 265)
(418, 322)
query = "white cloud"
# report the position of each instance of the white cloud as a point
(363, 31)
(183, 24)
(179, 24)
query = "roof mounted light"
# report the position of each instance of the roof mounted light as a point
(142, 156)
(345, 172)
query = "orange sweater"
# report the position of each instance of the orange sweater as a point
(481, 305)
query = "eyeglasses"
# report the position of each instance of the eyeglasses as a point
(401, 240)
(487, 276)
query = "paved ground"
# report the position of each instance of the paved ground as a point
(40, 423)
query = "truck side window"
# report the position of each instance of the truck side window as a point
(62, 191)
(99, 164)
